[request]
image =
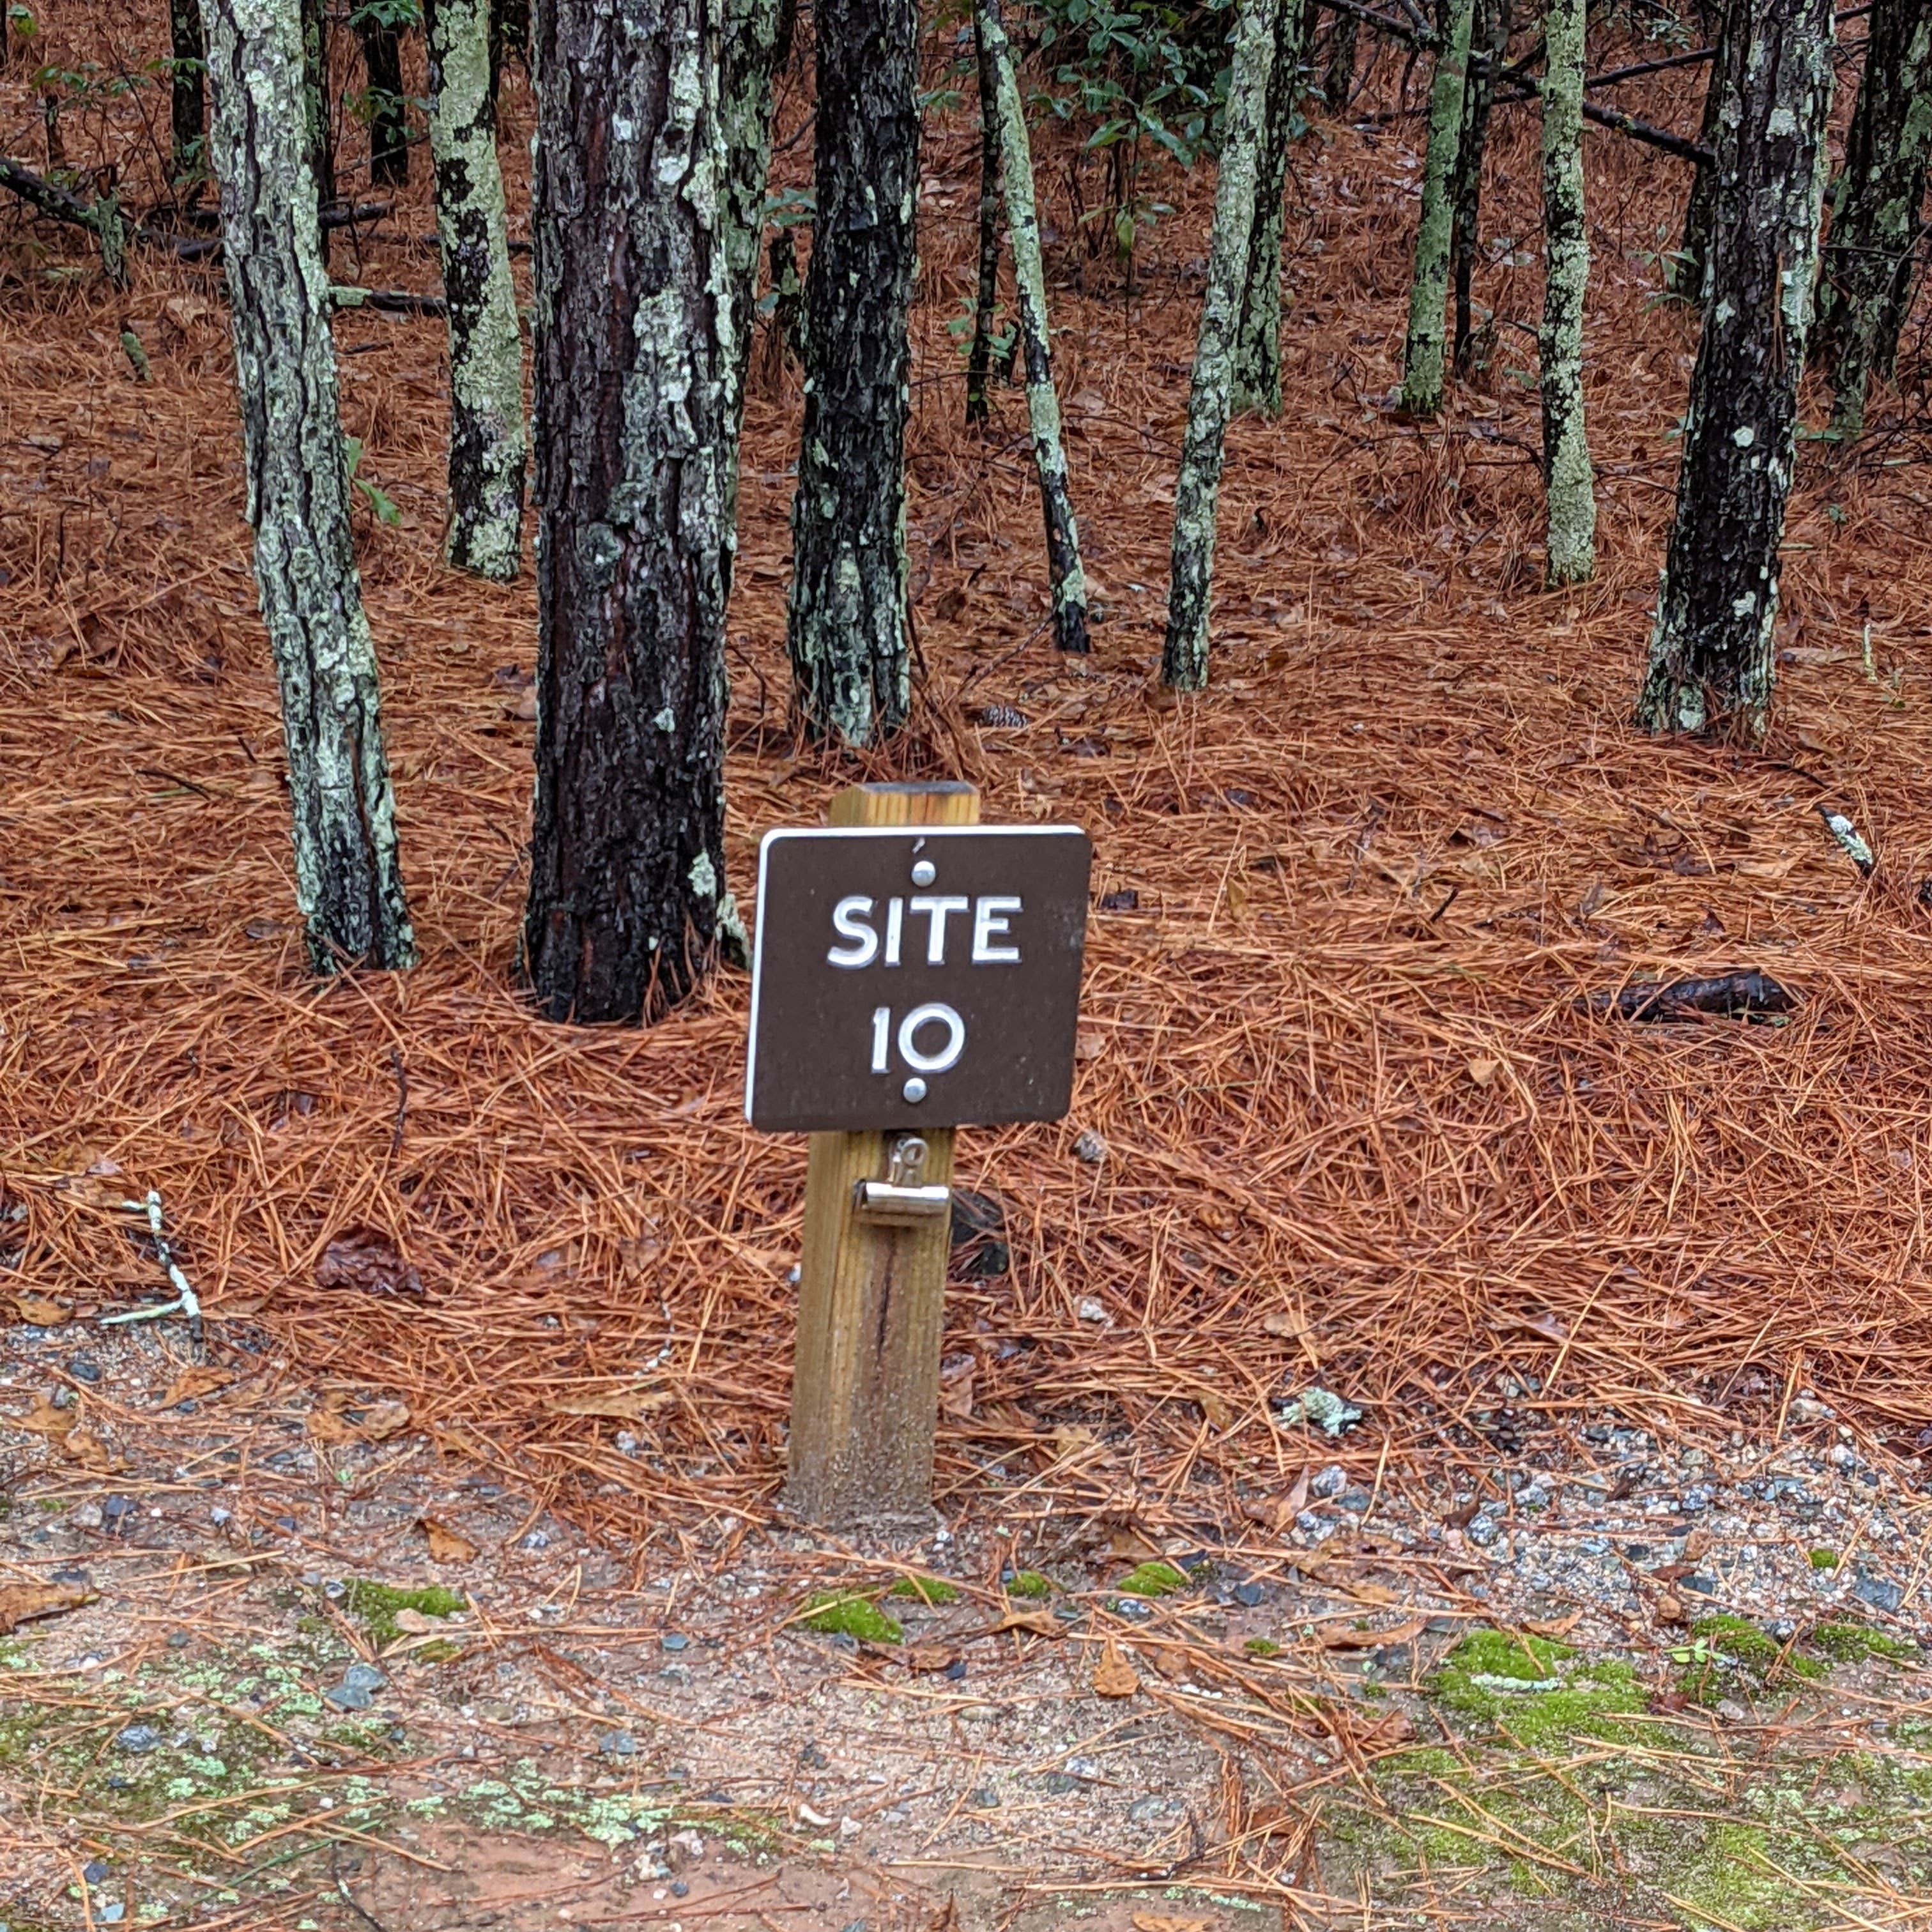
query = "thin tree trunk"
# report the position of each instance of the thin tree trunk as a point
(1569, 487)
(757, 40)
(509, 36)
(1197, 487)
(1684, 273)
(1489, 35)
(187, 112)
(1711, 661)
(347, 881)
(319, 133)
(487, 448)
(1339, 83)
(1069, 581)
(1428, 288)
(986, 296)
(1865, 289)
(383, 65)
(633, 361)
(1257, 369)
(846, 628)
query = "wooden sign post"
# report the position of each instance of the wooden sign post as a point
(912, 971)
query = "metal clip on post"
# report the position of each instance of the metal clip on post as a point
(902, 1200)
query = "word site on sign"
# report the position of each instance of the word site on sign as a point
(905, 977)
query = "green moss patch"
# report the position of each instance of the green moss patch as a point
(1261, 1646)
(1853, 1643)
(926, 1589)
(1824, 1559)
(374, 1606)
(842, 1613)
(1152, 1580)
(1030, 1584)
(1535, 1689)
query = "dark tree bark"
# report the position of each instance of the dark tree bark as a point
(187, 92)
(319, 132)
(979, 357)
(383, 65)
(487, 446)
(1711, 653)
(1685, 275)
(347, 882)
(1865, 289)
(846, 626)
(1339, 83)
(634, 371)
(1489, 39)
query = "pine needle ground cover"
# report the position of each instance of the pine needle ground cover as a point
(1366, 1114)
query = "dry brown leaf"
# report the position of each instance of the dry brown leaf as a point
(1482, 1072)
(1215, 1408)
(44, 1419)
(1131, 1545)
(383, 1420)
(1035, 1623)
(1285, 1322)
(417, 1623)
(445, 1545)
(1669, 1610)
(1114, 1676)
(615, 1404)
(1553, 1626)
(237, 1307)
(1398, 1727)
(38, 1311)
(1696, 1544)
(84, 1446)
(1162, 1921)
(946, 1919)
(1345, 1636)
(21, 1602)
(365, 1259)
(926, 1658)
(955, 1387)
(194, 1382)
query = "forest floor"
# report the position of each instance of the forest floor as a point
(1635, 1314)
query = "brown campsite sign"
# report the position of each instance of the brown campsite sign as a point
(916, 977)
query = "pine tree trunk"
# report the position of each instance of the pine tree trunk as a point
(1428, 288)
(1685, 275)
(383, 65)
(187, 161)
(509, 37)
(1569, 487)
(986, 295)
(1069, 581)
(347, 882)
(634, 360)
(1711, 653)
(488, 448)
(1489, 35)
(1339, 84)
(1257, 371)
(1865, 289)
(757, 38)
(846, 628)
(1197, 487)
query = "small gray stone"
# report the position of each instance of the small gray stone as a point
(84, 1369)
(85, 1515)
(1329, 1482)
(617, 1744)
(673, 1640)
(1151, 1810)
(137, 1738)
(1880, 1593)
(94, 1871)
(365, 1677)
(1089, 1148)
(346, 1697)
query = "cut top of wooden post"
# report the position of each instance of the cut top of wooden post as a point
(942, 801)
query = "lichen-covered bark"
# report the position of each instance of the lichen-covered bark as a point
(188, 162)
(1428, 285)
(319, 134)
(757, 41)
(1068, 580)
(1684, 274)
(1710, 652)
(634, 358)
(347, 881)
(986, 295)
(1569, 488)
(1865, 288)
(1257, 366)
(488, 447)
(1197, 486)
(1489, 36)
(1338, 84)
(846, 628)
(382, 64)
